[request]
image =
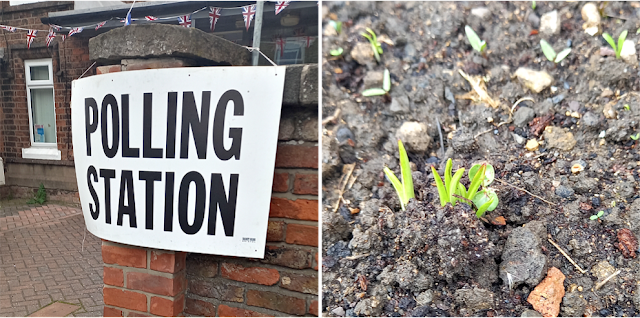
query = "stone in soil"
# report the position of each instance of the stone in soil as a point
(602, 270)
(362, 53)
(425, 298)
(530, 313)
(373, 79)
(399, 105)
(558, 138)
(536, 81)
(591, 120)
(543, 108)
(523, 116)
(473, 300)
(550, 23)
(522, 258)
(532, 145)
(482, 13)
(573, 305)
(591, 16)
(534, 20)
(620, 130)
(339, 311)
(414, 136)
(628, 53)
(564, 191)
(547, 296)
(463, 141)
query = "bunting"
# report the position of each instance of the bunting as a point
(75, 31)
(280, 43)
(281, 5)
(101, 24)
(31, 34)
(307, 40)
(50, 36)
(185, 21)
(247, 14)
(214, 15)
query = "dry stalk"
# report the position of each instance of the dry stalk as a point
(600, 284)
(567, 256)
(521, 189)
(344, 181)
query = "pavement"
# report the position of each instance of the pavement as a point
(47, 257)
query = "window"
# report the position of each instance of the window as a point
(42, 115)
(293, 52)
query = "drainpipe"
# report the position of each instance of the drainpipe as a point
(257, 31)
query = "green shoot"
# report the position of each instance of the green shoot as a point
(638, 31)
(451, 189)
(533, 5)
(474, 39)
(337, 25)
(336, 52)
(635, 137)
(626, 107)
(375, 45)
(597, 216)
(550, 53)
(616, 48)
(386, 86)
(404, 189)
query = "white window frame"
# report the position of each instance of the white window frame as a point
(40, 150)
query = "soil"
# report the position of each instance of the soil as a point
(428, 260)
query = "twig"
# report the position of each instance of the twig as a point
(567, 256)
(440, 133)
(346, 180)
(600, 284)
(332, 117)
(521, 189)
(357, 256)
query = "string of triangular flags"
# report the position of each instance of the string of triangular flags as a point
(248, 13)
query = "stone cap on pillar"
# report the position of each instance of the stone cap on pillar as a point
(161, 40)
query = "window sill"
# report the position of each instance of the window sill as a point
(42, 153)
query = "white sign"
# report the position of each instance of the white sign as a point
(178, 159)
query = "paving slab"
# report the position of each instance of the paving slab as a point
(56, 309)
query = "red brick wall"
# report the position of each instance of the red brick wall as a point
(285, 282)
(70, 59)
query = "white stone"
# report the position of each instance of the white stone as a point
(550, 23)
(536, 81)
(414, 135)
(628, 52)
(482, 12)
(591, 17)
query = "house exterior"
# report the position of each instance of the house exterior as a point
(35, 78)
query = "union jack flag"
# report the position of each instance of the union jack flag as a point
(185, 21)
(63, 37)
(30, 36)
(280, 5)
(127, 20)
(75, 31)
(280, 42)
(247, 14)
(56, 27)
(214, 15)
(8, 28)
(150, 18)
(101, 24)
(50, 37)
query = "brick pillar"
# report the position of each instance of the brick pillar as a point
(139, 281)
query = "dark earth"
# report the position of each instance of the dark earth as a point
(379, 260)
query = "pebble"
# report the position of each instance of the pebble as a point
(595, 202)
(628, 53)
(547, 296)
(559, 138)
(532, 145)
(564, 191)
(536, 81)
(338, 312)
(523, 116)
(534, 20)
(557, 99)
(343, 134)
(530, 313)
(482, 13)
(602, 270)
(519, 139)
(415, 137)
(362, 53)
(591, 16)
(425, 298)
(550, 23)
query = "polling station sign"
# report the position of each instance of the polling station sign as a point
(178, 159)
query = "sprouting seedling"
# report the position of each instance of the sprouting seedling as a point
(451, 189)
(616, 48)
(474, 39)
(550, 53)
(337, 25)
(375, 45)
(533, 5)
(635, 137)
(626, 107)
(404, 188)
(336, 52)
(597, 216)
(386, 86)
